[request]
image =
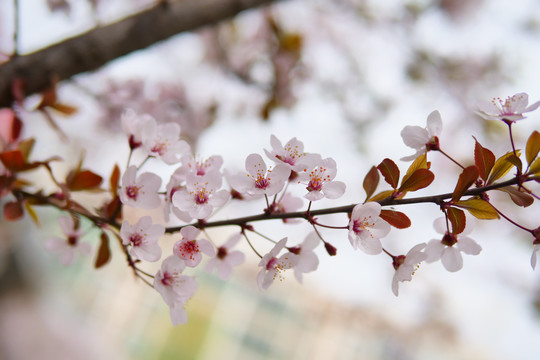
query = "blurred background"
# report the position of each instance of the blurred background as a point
(344, 77)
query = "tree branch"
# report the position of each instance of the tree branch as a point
(95, 48)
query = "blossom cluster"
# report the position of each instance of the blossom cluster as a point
(289, 181)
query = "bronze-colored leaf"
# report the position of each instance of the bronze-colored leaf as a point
(396, 218)
(114, 179)
(478, 208)
(483, 159)
(419, 163)
(502, 167)
(13, 210)
(390, 172)
(457, 219)
(519, 198)
(467, 177)
(104, 252)
(420, 179)
(533, 147)
(84, 180)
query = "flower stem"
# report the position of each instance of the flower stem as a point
(452, 159)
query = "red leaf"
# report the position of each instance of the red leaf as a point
(13, 160)
(466, 179)
(371, 181)
(420, 179)
(396, 219)
(104, 252)
(458, 219)
(84, 180)
(390, 171)
(484, 160)
(13, 211)
(519, 198)
(113, 180)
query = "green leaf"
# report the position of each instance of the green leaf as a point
(390, 171)
(478, 208)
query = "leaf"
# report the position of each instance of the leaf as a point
(64, 109)
(30, 210)
(115, 177)
(483, 159)
(466, 179)
(516, 162)
(382, 195)
(13, 210)
(457, 218)
(478, 208)
(396, 219)
(535, 167)
(13, 160)
(502, 167)
(104, 252)
(533, 147)
(418, 163)
(26, 147)
(84, 180)
(390, 171)
(519, 198)
(420, 179)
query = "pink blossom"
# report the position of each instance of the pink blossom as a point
(140, 191)
(318, 174)
(189, 249)
(225, 259)
(406, 265)
(68, 246)
(366, 228)
(449, 249)
(200, 196)
(290, 155)
(164, 141)
(133, 126)
(423, 139)
(509, 110)
(174, 185)
(272, 266)
(198, 167)
(289, 203)
(142, 238)
(260, 180)
(175, 289)
(306, 259)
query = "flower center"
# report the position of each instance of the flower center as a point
(201, 197)
(168, 279)
(449, 239)
(188, 249)
(72, 240)
(132, 191)
(160, 148)
(317, 177)
(221, 252)
(261, 182)
(136, 239)
(359, 226)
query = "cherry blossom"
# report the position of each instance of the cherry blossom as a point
(140, 191)
(318, 174)
(509, 110)
(189, 249)
(366, 228)
(290, 155)
(260, 180)
(449, 249)
(143, 238)
(406, 265)
(306, 260)
(533, 256)
(225, 259)
(192, 166)
(288, 203)
(163, 141)
(423, 139)
(173, 186)
(200, 197)
(272, 266)
(175, 289)
(68, 246)
(132, 125)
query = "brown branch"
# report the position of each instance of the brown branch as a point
(95, 48)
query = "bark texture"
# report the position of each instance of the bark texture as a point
(93, 49)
